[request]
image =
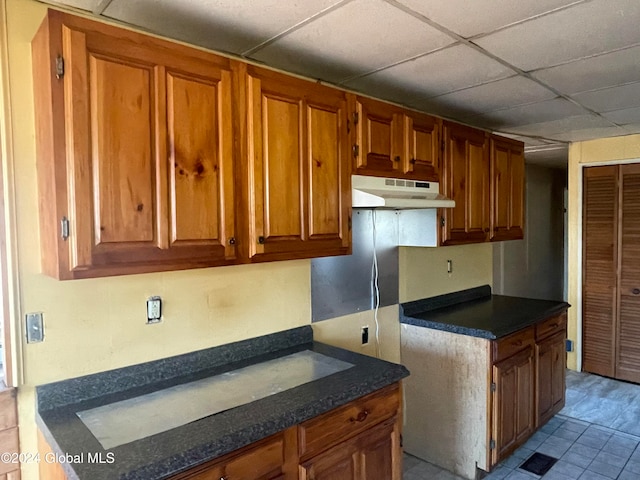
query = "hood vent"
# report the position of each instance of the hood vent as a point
(395, 193)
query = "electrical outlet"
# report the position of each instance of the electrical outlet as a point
(154, 309)
(365, 335)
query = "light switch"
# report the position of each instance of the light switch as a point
(35, 327)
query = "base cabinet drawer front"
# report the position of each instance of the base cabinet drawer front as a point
(333, 427)
(512, 344)
(368, 456)
(264, 461)
(551, 361)
(551, 326)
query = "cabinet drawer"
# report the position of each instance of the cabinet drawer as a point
(512, 344)
(551, 326)
(262, 462)
(335, 426)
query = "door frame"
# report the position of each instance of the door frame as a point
(9, 276)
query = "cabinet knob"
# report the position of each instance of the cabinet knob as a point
(260, 239)
(232, 241)
(362, 416)
(412, 161)
(636, 291)
(396, 158)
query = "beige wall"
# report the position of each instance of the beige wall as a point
(423, 271)
(95, 325)
(605, 150)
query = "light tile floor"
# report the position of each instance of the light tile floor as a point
(595, 437)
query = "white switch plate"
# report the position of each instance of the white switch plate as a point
(154, 309)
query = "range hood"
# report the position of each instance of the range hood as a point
(394, 193)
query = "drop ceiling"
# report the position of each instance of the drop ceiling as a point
(548, 72)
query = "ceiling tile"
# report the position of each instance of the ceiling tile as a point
(622, 117)
(562, 125)
(632, 128)
(608, 99)
(492, 96)
(226, 25)
(440, 72)
(481, 16)
(614, 68)
(356, 38)
(579, 31)
(89, 5)
(590, 134)
(511, 118)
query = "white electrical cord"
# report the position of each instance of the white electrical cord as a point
(375, 290)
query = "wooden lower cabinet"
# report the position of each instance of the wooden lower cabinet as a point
(368, 456)
(528, 383)
(513, 413)
(357, 441)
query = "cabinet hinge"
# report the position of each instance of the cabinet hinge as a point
(492, 444)
(59, 67)
(442, 221)
(442, 145)
(356, 118)
(349, 223)
(64, 228)
(493, 387)
(356, 151)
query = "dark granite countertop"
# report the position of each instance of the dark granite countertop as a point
(478, 313)
(164, 454)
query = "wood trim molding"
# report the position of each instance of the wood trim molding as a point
(9, 277)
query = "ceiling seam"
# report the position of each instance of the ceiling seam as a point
(101, 7)
(295, 27)
(490, 55)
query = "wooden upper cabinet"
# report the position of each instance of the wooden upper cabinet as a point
(422, 143)
(297, 178)
(465, 179)
(377, 144)
(135, 158)
(389, 141)
(507, 189)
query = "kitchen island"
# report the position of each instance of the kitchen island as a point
(487, 371)
(348, 415)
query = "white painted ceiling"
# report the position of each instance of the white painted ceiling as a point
(546, 71)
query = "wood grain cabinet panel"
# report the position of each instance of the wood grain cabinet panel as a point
(369, 456)
(297, 182)
(389, 141)
(551, 361)
(507, 189)
(465, 179)
(513, 404)
(134, 151)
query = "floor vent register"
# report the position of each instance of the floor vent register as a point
(538, 464)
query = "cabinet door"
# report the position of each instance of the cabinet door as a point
(550, 377)
(298, 179)
(513, 403)
(144, 175)
(369, 456)
(628, 329)
(421, 157)
(465, 179)
(377, 149)
(507, 189)
(599, 281)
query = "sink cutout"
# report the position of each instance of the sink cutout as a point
(139, 417)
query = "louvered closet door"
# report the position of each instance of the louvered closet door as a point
(628, 351)
(599, 269)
